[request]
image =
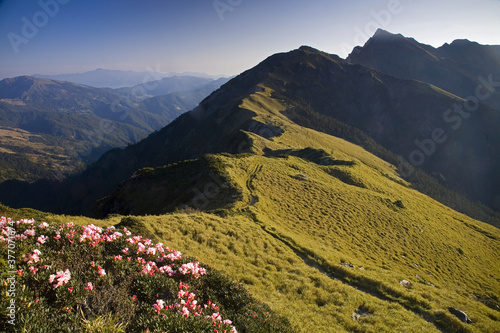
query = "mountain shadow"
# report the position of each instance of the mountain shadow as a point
(386, 115)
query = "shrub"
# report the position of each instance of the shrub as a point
(90, 279)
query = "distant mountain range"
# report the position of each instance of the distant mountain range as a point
(398, 119)
(336, 190)
(106, 78)
(169, 85)
(51, 129)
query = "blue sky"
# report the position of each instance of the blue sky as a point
(216, 37)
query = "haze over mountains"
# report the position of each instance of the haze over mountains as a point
(51, 129)
(338, 190)
(106, 78)
(387, 115)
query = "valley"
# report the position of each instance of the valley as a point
(69, 125)
(288, 180)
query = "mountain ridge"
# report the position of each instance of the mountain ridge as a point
(325, 232)
(457, 67)
(288, 177)
(67, 125)
(301, 78)
(106, 78)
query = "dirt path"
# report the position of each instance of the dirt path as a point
(253, 198)
(372, 287)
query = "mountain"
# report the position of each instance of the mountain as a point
(380, 112)
(106, 78)
(51, 129)
(275, 177)
(461, 67)
(174, 84)
(176, 102)
(326, 233)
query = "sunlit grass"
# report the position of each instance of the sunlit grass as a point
(337, 238)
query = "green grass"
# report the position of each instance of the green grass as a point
(108, 287)
(318, 248)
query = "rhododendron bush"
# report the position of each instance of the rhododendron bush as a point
(88, 278)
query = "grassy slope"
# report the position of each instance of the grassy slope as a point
(286, 238)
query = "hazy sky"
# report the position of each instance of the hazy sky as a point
(217, 37)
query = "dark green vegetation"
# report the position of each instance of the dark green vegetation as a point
(52, 129)
(110, 287)
(383, 114)
(289, 178)
(173, 187)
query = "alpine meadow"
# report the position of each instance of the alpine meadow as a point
(309, 193)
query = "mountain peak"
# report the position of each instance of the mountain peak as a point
(463, 42)
(308, 49)
(381, 33)
(384, 34)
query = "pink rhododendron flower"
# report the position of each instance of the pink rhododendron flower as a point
(127, 233)
(62, 278)
(140, 248)
(167, 270)
(134, 240)
(43, 225)
(89, 286)
(25, 221)
(101, 271)
(29, 232)
(150, 268)
(159, 247)
(42, 239)
(173, 256)
(160, 304)
(140, 260)
(34, 257)
(193, 269)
